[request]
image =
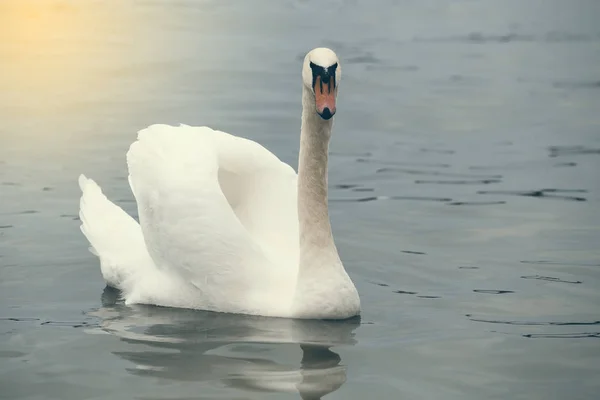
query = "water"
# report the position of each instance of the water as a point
(465, 195)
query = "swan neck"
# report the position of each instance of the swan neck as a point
(313, 212)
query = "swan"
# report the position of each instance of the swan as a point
(224, 225)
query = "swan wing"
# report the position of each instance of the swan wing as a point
(218, 211)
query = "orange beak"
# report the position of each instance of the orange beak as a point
(325, 94)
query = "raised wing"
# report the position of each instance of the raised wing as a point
(219, 211)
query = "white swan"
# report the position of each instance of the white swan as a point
(224, 224)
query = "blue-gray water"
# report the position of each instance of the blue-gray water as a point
(465, 195)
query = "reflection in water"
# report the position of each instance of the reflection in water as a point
(189, 345)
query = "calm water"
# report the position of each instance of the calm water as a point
(465, 195)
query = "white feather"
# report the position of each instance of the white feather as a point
(115, 237)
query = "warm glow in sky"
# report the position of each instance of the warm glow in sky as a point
(64, 62)
(51, 49)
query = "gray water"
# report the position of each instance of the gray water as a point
(464, 185)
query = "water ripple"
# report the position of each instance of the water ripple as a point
(23, 319)
(367, 58)
(533, 323)
(545, 193)
(476, 203)
(547, 262)
(512, 37)
(566, 164)
(345, 186)
(558, 151)
(492, 291)
(562, 335)
(405, 163)
(436, 173)
(404, 292)
(548, 278)
(69, 324)
(379, 284)
(74, 217)
(374, 198)
(437, 151)
(459, 182)
(578, 85)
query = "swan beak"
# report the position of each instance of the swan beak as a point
(325, 91)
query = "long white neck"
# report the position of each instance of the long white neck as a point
(316, 240)
(323, 288)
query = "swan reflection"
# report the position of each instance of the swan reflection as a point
(245, 352)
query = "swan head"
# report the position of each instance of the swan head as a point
(321, 74)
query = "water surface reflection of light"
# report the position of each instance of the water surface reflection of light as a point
(66, 64)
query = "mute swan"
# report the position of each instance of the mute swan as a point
(225, 225)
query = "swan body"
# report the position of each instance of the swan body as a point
(224, 225)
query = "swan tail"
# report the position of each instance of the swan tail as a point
(114, 236)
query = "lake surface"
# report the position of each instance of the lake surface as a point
(464, 195)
